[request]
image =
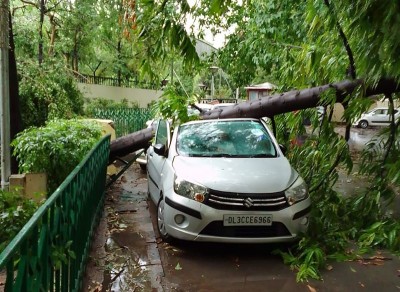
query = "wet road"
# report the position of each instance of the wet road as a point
(359, 137)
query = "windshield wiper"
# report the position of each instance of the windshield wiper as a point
(221, 155)
(262, 155)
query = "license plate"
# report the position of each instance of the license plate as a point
(247, 220)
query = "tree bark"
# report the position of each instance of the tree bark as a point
(298, 99)
(266, 107)
(41, 21)
(15, 113)
(130, 143)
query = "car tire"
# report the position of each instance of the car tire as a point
(143, 166)
(161, 221)
(364, 124)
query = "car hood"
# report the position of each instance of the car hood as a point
(245, 175)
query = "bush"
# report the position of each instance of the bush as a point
(16, 210)
(56, 148)
(92, 104)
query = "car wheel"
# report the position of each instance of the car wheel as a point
(364, 124)
(161, 221)
(143, 166)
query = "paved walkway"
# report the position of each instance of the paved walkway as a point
(125, 256)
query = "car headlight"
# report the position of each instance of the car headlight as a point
(297, 191)
(190, 190)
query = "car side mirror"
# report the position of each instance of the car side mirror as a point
(160, 149)
(283, 148)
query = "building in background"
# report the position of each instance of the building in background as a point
(259, 91)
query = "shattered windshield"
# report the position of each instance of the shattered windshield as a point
(225, 139)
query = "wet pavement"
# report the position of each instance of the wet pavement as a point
(128, 255)
(125, 255)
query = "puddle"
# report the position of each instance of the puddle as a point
(126, 267)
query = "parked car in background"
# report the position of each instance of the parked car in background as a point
(225, 181)
(376, 117)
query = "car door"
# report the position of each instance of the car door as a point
(379, 117)
(156, 162)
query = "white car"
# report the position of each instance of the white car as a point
(376, 117)
(225, 181)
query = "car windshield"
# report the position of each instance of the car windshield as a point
(225, 139)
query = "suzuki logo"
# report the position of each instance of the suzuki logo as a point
(248, 202)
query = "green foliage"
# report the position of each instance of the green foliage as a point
(382, 233)
(337, 222)
(174, 106)
(60, 254)
(308, 262)
(56, 148)
(48, 92)
(92, 104)
(16, 210)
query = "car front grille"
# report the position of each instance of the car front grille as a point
(244, 201)
(216, 228)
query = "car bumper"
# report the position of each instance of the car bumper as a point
(204, 223)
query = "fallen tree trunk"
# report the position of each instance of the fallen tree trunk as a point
(130, 143)
(297, 100)
(267, 107)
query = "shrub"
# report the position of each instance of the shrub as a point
(16, 210)
(56, 148)
(92, 104)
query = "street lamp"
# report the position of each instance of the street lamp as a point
(202, 86)
(213, 70)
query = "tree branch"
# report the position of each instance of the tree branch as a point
(30, 3)
(331, 169)
(352, 67)
(393, 127)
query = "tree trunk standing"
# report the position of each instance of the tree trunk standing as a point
(52, 34)
(119, 61)
(15, 112)
(74, 60)
(266, 107)
(5, 155)
(41, 21)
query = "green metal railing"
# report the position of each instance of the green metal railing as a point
(50, 252)
(119, 82)
(126, 120)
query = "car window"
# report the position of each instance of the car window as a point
(225, 138)
(380, 112)
(162, 133)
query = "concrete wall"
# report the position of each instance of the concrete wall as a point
(142, 96)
